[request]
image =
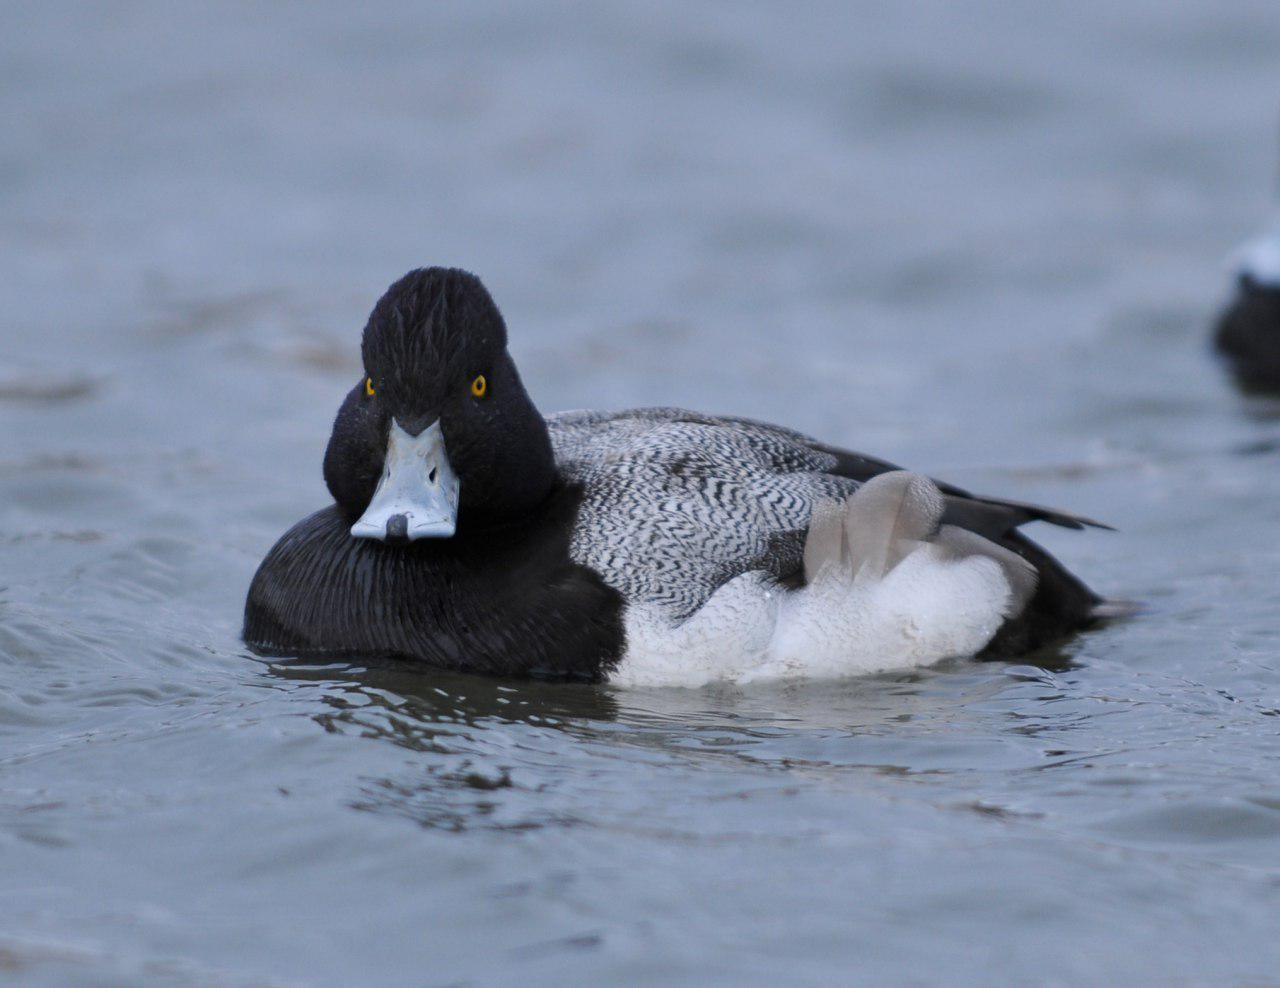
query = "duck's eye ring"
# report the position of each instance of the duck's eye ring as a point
(479, 386)
(368, 387)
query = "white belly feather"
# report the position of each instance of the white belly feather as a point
(887, 589)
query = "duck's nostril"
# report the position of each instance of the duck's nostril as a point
(431, 477)
(397, 528)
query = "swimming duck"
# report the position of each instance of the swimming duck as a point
(1248, 330)
(651, 546)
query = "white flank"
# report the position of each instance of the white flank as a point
(927, 609)
(879, 598)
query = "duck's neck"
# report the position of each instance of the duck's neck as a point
(513, 483)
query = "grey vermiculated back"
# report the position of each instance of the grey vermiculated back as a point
(676, 503)
(707, 498)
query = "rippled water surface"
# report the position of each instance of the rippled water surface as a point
(982, 240)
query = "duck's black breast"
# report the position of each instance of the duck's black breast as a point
(508, 601)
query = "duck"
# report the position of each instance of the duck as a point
(1247, 333)
(650, 547)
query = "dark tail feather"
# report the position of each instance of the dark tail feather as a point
(1062, 605)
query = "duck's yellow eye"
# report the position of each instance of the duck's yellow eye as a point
(368, 387)
(479, 386)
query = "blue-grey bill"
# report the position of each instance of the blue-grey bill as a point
(417, 497)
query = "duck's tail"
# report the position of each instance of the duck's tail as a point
(888, 518)
(894, 513)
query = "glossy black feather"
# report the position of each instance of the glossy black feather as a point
(508, 601)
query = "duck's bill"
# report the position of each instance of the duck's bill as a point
(417, 497)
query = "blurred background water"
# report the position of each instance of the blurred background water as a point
(981, 239)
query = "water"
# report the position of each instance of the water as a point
(983, 241)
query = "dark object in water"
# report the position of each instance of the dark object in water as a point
(1248, 335)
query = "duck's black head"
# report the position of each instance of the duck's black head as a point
(439, 435)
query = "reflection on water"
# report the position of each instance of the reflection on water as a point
(505, 755)
(454, 718)
(417, 696)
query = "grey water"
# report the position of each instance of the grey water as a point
(983, 240)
